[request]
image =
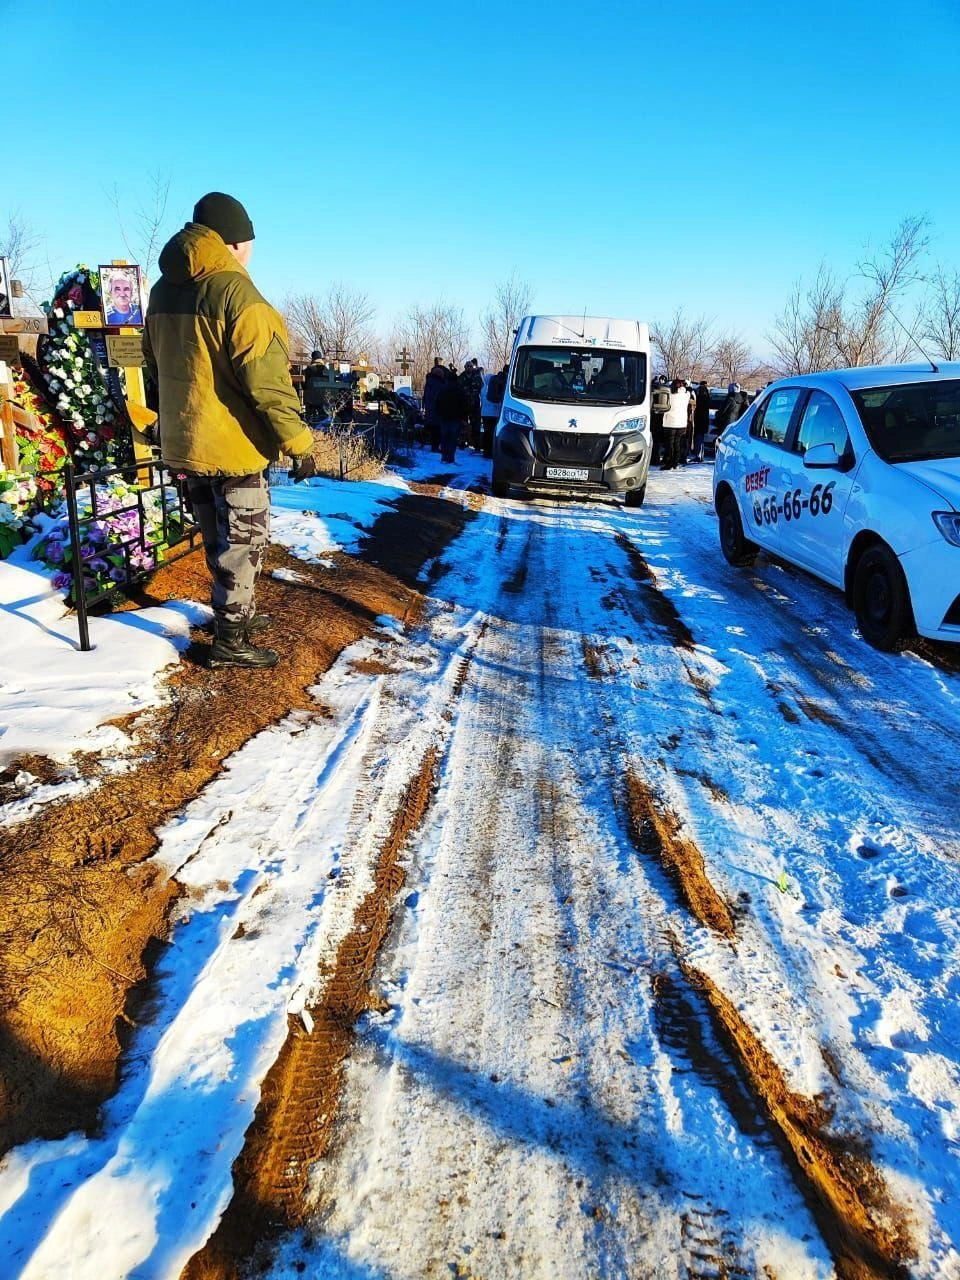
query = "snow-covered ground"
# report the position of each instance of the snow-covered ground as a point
(529, 1103)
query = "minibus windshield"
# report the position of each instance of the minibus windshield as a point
(581, 375)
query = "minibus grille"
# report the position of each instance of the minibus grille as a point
(586, 449)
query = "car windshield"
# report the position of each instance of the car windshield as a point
(584, 375)
(912, 422)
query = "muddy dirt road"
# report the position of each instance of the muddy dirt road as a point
(603, 925)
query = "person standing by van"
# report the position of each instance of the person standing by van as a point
(701, 420)
(452, 409)
(660, 404)
(675, 424)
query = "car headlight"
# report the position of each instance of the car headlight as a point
(517, 417)
(948, 522)
(630, 424)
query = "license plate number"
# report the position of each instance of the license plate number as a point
(568, 473)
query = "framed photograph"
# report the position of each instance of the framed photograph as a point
(5, 287)
(120, 295)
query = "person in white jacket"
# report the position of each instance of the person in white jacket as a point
(676, 422)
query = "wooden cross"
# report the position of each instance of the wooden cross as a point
(404, 359)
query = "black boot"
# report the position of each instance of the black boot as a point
(232, 647)
(259, 622)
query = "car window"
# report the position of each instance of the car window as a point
(822, 423)
(772, 419)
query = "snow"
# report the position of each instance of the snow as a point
(526, 1104)
(55, 699)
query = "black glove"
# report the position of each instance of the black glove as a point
(303, 468)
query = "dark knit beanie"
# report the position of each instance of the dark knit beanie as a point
(226, 216)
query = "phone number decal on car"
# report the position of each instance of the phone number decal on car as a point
(820, 503)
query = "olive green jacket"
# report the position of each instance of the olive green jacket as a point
(218, 352)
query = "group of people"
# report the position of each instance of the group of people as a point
(680, 419)
(453, 407)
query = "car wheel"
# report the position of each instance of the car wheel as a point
(881, 599)
(498, 487)
(635, 497)
(737, 549)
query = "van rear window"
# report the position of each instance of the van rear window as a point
(585, 375)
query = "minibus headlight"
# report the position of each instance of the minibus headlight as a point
(630, 424)
(948, 522)
(517, 417)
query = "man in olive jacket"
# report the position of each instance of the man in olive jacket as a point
(218, 353)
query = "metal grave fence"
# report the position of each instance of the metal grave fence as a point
(123, 522)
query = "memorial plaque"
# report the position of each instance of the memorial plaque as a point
(124, 352)
(87, 320)
(9, 348)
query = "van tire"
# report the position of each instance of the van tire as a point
(881, 600)
(737, 548)
(635, 497)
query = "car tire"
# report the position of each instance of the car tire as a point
(881, 599)
(737, 548)
(499, 488)
(635, 497)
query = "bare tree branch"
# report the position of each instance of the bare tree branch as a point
(939, 324)
(142, 226)
(336, 323)
(20, 244)
(511, 302)
(427, 331)
(683, 347)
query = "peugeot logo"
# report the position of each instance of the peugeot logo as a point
(572, 424)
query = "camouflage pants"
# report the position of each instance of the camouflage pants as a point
(233, 513)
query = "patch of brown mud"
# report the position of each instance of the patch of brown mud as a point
(661, 607)
(295, 1118)
(866, 1232)
(433, 487)
(814, 711)
(595, 659)
(656, 833)
(719, 793)
(78, 909)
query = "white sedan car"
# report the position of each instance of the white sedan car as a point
(854, 475)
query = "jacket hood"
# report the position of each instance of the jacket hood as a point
(195, 252)
(942, 475)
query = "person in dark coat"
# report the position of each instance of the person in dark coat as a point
(472, 382)
(452, 408)
(701, 420)
(731, 408)
(435, 381)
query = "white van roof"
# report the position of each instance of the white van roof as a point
(593, 331)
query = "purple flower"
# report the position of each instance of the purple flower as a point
(117, 573)
(61, 580)
(98, 565)
(54, 553)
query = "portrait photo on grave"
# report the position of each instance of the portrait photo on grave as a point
(5, 287)
(120, 295)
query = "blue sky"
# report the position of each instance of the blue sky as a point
(624, 158)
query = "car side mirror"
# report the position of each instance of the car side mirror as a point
(822, 456)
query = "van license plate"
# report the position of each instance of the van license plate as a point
(568, 473)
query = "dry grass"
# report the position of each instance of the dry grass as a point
(339, 447)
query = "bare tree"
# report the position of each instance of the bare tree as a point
(498, 324)
(143, 223)
(731, 359)
(801, 337)
(939, 325)
(682, 346)
(835, 324)
(427, 331)
(19, 244)
(336, 323)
